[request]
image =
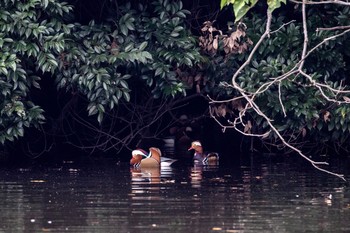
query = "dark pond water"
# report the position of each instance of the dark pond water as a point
(255, 196)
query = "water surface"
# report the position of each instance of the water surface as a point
(258, 196)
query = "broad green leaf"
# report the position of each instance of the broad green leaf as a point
(100, 117)
(275, 4)
(3, 70)
(45, 3)
(124, 29)
(13, 65)
(174, 34)
(143, 45)
(240, 7)
(126, 96)
(124, 84)
(130, 25)
(129, 47)
(10, 40)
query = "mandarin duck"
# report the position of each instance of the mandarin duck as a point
(200, 156)
(154, 158)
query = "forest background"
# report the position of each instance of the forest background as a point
(105, 77)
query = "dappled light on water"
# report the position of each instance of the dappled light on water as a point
(249, 197)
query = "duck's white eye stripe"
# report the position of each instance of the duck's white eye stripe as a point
(138, 152)
(197, 144)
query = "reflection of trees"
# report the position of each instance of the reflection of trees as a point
(64, 200)
(12, 212)
(257, 196)
(282, 198)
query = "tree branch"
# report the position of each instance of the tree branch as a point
(297, 69)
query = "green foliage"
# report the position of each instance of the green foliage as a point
(172, 46)
(151, 44)
(31, 37)
(89, 67)
(101, 61)
(241, 7)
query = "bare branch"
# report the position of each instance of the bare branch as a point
(262, 38)
(322, 2)
(282, 26)
(280, 99)
(249, 97)
(333, 28)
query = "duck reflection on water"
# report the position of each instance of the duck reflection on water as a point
(145, 183)
(198, 173)
(140, 176)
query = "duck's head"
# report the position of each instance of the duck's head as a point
(196, 146)
(137, 156)
(155, 153)
(135, 159)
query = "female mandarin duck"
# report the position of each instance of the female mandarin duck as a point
(154, 158)
(201, 157)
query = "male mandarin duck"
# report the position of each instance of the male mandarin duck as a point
(154, 158)
(202, 157)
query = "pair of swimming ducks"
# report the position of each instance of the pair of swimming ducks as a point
(154, 158)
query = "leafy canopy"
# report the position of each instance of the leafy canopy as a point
(100, 62)
(31, 37)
